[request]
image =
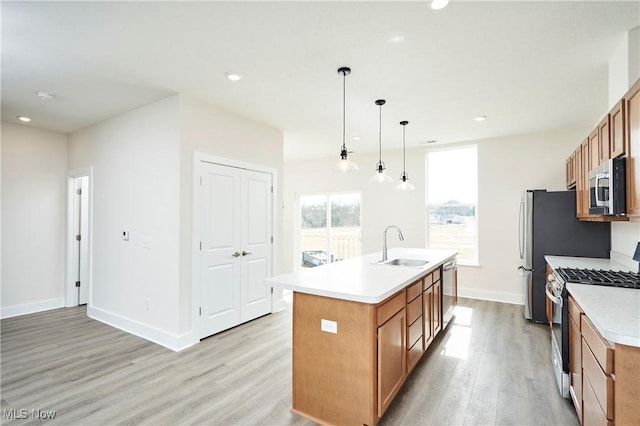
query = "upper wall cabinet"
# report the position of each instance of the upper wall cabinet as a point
(617, 135)
(617, 128)
(632, 116)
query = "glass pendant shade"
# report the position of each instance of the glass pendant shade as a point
(344, 165)
(404, 184)
(380, 176)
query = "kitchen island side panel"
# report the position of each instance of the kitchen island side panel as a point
(334, 374)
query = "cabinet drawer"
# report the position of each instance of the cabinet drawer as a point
(414, 290)
(601, 384)
(413, 355)
(591, 412)
(575, 311)
(389, 307)
(414, 333)
(436, 275)
(414, 310)
(602, 350)
(428, 281)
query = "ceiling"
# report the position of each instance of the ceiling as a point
(527, 66)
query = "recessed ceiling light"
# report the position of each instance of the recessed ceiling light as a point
(45, 96)
(24, 118)
(356, 138)
(480, 118)
(396, 38)
(438, 4)
(233, 76)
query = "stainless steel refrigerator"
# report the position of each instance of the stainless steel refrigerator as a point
(548, 226)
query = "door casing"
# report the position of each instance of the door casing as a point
(198, 158)
(71, 291)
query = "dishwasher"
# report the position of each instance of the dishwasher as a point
(449, 272)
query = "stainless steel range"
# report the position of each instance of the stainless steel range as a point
(556, 292)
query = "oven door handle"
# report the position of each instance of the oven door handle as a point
(549, 291)
(599, 202)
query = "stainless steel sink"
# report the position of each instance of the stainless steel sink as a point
(406, 262)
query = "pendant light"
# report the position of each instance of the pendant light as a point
(404, 184)
(380, 176)
(344, 165)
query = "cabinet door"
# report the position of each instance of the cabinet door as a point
(632, 103)
(568, 173)
(584, 181)
(437, 307)
(575, 366)
(392, 356)
(604, 139)
(427, 300)
(594, 150)
(617, 140)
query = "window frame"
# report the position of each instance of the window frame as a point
(297, 222)
(428, 206)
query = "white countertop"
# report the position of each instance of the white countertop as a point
(586, 262)
(360, 279)
(615, 312)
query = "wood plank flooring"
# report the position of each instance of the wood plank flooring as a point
(490, 367)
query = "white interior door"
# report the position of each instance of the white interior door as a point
(220, 238)
(83, 294)
(256, 232)
(236, 251)
(80, 238)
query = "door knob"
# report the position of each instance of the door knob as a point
(236, 254)
(244, 253)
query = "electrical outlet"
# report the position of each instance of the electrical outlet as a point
(329, 326)
(147, 304)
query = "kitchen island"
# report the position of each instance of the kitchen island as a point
(359, 327)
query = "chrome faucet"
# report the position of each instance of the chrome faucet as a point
(384, 241)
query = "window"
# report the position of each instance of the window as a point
(452, 201)
(329, 228)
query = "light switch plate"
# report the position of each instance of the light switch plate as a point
(125, 235)
(329, 326)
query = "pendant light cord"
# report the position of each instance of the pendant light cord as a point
(344, 95)
(404, 150)
(380, 135)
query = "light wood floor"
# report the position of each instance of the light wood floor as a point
(490, 367)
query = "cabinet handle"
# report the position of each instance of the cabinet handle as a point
(244, 253)
(236, 254)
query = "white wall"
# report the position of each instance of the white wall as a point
(506, 167)
(34, 166)
(381, 205)
(136, 186)
(210, 130)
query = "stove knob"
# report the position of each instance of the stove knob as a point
(550, 278)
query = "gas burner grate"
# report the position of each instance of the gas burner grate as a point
(600, 277)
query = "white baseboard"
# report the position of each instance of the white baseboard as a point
(494, 296)
(168, 340)
(31, 308)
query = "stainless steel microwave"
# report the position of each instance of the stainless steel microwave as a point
(607, 189)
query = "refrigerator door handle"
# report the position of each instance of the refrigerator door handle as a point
(521, 230)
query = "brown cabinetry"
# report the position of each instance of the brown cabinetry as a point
(575, 355)
(391, 358)
(618, 138)
(570, 171)
(604, 139)
(632, 107)
(415, 324)
(350, 374)
(597, 370)
(594, 150)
